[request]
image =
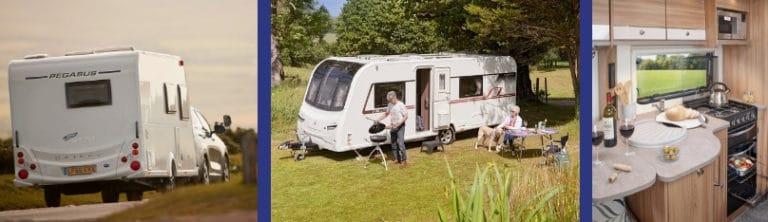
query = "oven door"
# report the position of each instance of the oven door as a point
(741, 135)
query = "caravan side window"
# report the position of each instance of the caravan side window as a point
(380, 92)
(470, 86)
(184, 110)
(170, 98)
(88, 93)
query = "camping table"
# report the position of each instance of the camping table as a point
(545, 133)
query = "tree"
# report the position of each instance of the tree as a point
(384, 27)
(298, 28)
(523, 29)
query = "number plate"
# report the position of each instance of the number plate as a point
(81, 170)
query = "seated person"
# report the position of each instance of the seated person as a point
(512, 122)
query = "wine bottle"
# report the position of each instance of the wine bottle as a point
(609, 122)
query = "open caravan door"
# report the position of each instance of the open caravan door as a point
(441, 98)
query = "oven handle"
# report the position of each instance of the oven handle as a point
(743, 131)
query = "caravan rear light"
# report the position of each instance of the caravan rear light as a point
(32, 166)
(20, 161)
(181, 62)
(135, 152)
(20, 155)
(23, 174)
(135, 165)
(135, 145)
(124, 159)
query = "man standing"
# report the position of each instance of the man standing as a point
(398, 115)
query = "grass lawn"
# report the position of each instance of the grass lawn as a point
(334, 187)
(651, 82)
(199, 200)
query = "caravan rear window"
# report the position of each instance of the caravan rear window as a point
(88, 93)
(330, 84)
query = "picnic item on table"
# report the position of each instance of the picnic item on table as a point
(680, 113)
(622, 167)
(670, 153)
(613, 177)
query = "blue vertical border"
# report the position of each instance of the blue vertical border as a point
(264, 110)
(585, 109)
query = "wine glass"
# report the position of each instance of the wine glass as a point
(626, 130)
(597, 139)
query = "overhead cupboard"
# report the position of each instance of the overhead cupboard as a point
(658, 20)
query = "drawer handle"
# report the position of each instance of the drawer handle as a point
(718, 184)
(700, 171)
(642, 32)
(687, 33)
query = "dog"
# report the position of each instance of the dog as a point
(489, 137)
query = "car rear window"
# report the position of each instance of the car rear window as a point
(88, 93)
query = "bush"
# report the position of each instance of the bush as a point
(6, 156)
(232, 138)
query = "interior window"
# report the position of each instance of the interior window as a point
(380, 93)
(88, 93)
(470, 86)
(184, 110)
(662, 76)
(170, 98)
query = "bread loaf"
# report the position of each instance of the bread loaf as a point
(680, 113)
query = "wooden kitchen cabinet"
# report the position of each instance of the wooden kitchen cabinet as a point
(739, 5)
(601, 20)
(698, 196)
(639, 19)
(690, 198)
(720, 192)
(686, 20)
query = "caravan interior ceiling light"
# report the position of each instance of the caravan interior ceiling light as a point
(23, 174)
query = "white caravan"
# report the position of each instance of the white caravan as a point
(444, 93)
(109, 121)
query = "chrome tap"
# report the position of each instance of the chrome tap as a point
(659, 105)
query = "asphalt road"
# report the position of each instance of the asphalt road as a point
(90, 212)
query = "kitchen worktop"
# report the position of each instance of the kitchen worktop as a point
(698, 149)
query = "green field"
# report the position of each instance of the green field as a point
(651, 82)
(334, 187)
(558, 81)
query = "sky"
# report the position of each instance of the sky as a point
(333, 6)
(216, 39)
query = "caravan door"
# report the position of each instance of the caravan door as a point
(441, 98)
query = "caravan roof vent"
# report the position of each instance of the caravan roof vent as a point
(36, 56)
(78, 53)
(115, 49)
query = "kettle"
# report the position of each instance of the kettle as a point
(718, 96)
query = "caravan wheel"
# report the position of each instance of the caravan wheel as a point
(109, 195)
(171, 183)
(447, 136)
(52, 197)
(225, 170)
(205, 172)
(134, 195)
